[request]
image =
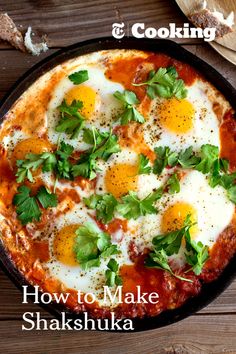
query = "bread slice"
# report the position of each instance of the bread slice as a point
(204, 18)
(10, 33)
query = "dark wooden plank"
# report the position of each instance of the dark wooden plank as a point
(13, 64)
(67, 22)
(198, 334)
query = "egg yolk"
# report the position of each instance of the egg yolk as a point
(63, 245)
(30, 146)
(85, 94)
(176, 115)
(121, 178)
(175, 215)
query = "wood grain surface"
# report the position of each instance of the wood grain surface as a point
(212, 330)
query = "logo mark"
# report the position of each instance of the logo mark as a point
(118, 30)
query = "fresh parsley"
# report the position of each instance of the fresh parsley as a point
(131, 207)
(32, 163)
(206, 162)
(164, 157)
(171, 241)
(187, 159)
(159, 260)
(130, 113)
(197, 254)
(63, 167)
(71, 121)
(208, 154)
(111, 274)
(143, 165)
(165, 83)
(231, 193)
(103, 204)
(28, 207)
(166, 245)
(103, 147)
(91, 245)
(173, 184)
(56, 161)
(79, 77)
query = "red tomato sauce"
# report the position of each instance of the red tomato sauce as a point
(228, 138)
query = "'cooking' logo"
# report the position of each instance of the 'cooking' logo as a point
(139, 30)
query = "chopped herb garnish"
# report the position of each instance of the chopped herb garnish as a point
(79, 77)
(46, 198)
(130, 113)
(111, 274)
(132, 207)
(196, 255)
(164, 157)
(173, 184)
(165, 83)
(32, 162)
(91, 245)
(159, 260)
(57, 162)
(103, 204)
(209, 154)
(143, 165)
(168, 244)
(71, 121)
(171, 241)
(87, 164)
(28, 207)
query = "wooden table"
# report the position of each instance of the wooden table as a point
(212, 330)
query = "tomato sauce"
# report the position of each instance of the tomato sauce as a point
(228, 138)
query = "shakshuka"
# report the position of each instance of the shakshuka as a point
(118, 168)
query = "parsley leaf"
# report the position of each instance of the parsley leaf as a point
(159, 260)
(63, 166)
(94, 136)
(71, 121)
(57, 162)
(111, 274)
(103, 204)
(79, 77)
(92, 244)
(209, 153)
(231, 192)
(143, 165)
(27, 206)
(171, 241)
(132, 207)
(173, 184)
(87, 164)
(187, 159)
(129, 100)
(164, 157)
(32, 163)
(165, 83)
(46, 198)
(197, 254)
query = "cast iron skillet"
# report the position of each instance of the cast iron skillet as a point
(209, 291)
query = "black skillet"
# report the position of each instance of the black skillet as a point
(209, 291)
